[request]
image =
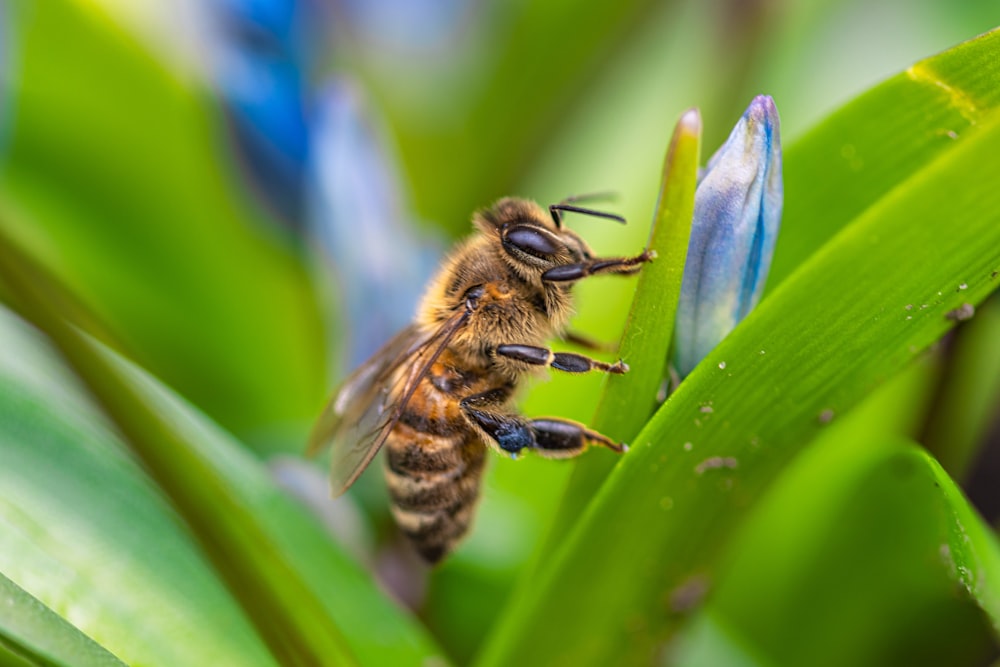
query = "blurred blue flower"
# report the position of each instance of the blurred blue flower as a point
(262, 52)
(7, 73)
(737, 211)
(316, 159)
(380, 262)
(409, 28)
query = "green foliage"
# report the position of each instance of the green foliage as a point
(40, 636)
(864, 531)
(854, 313)
(294, 585)
(797, 500)
(180, 306)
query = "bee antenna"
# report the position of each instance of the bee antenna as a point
(556, 211)
(606, 195)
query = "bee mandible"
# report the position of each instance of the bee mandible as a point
(439, 393)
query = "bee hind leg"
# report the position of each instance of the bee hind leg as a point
(562, 438)
(509, 431)
(550, 437)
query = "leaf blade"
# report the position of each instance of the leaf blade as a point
(869, 146)
(35, 631)
(138, 206)
(859, 547)
(86, 533)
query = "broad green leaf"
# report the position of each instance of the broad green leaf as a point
(117, 179)
(34, 632)
(876, 142)
(292, 585)
(869, 551)
(84, 531)
(853, 315)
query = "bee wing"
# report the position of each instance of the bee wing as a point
(369, 404)
(364, 393)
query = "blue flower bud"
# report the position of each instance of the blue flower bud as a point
(737, 211)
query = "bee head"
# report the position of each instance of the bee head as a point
(531, 240)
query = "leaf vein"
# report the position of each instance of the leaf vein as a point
(960, 99)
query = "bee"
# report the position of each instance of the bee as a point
(439, 393)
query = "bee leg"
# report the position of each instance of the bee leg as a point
(549, 436)
(510, 432)
(562, 438)
(592, 267)
(563, 361)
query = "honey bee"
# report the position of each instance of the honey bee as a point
(439, 393)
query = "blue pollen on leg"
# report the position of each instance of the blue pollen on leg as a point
(514, 438)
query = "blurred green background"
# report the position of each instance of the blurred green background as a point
(241, 197)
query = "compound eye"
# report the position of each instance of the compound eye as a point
(531, 241)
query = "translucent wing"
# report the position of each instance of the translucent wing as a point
(360, 416)
(352, 416)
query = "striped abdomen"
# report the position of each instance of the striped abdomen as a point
(433, 467)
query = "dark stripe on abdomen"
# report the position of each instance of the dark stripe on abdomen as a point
(430, 424)
(433, 505)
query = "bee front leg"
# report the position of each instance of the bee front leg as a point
(620, 265)
(563, 361)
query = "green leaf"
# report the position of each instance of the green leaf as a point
(876, 142)
(86, 533)
(630, 399)
(869, 551)
(136, 206)
(853, 315)
(294, 588)
(33, 631)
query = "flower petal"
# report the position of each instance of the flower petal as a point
(737, 212)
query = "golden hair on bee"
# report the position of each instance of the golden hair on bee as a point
(439, 394)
